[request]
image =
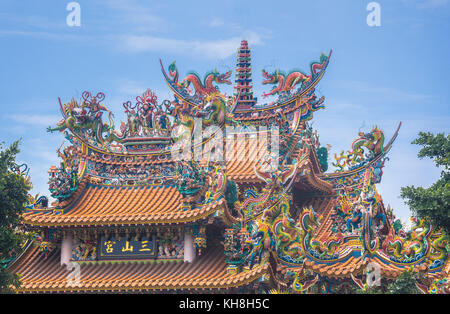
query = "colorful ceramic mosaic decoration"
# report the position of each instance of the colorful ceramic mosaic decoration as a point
(208, 192)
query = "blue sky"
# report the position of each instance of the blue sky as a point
(377, 75)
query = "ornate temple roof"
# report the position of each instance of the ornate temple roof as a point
(357, 266)
(294, 217)
(354, 261)
(39, 273)
(100, 205)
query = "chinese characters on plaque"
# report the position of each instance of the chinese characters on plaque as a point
(127, 247)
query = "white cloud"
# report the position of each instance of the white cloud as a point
(426, 4)
(17, 130)
(39, 22)
(129, 16)
(34, 119)
(134, 15)
(45, 35)
(218, 22)
(343, 105)
(131, 87)
(433, 3)
(385, 91)
(216, 49)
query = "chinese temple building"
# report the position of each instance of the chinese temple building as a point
(207, 193)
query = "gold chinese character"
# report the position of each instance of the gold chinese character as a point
(109, 248)
(127, 247)
(144, 247)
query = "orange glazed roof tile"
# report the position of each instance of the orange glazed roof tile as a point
(245, 153)
(39, 274)
(356, 266)
(111, 205)
(338, 269)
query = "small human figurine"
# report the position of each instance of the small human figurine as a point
(353, 221)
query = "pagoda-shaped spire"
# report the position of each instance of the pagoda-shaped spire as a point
(243, 81)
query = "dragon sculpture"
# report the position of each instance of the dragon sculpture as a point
(439, 286)
(288, 235)
(205, 87)
(285, 83)
(191, 178)
(372, 141)
(87, 119)
(323, 250)
(64, 180)
(415, 245)
(213, 113)
(303, 288)
(146, 118)
(262, 239)
(266, 217)
(439, 249)
(201, 88)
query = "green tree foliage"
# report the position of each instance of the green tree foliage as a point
(374, 290)
(13, 196)
(404, 284)
(433, 202)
